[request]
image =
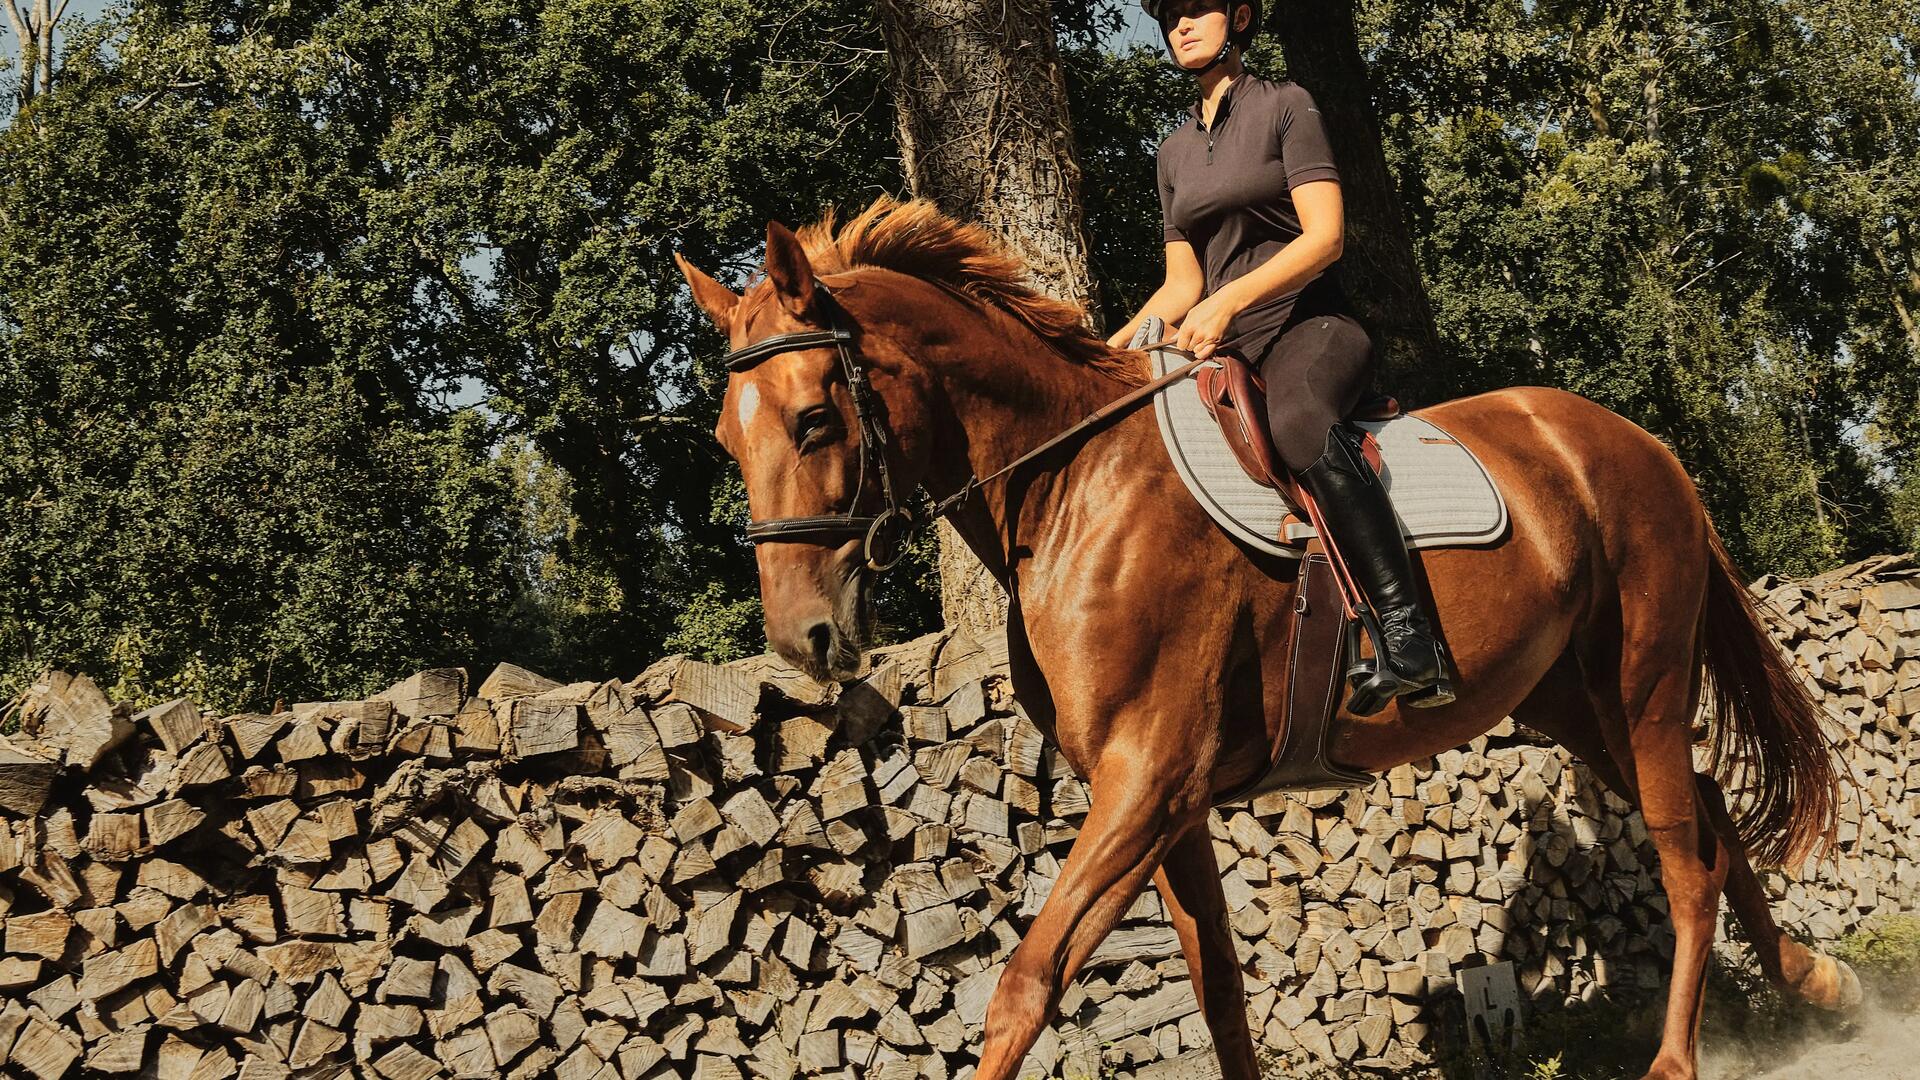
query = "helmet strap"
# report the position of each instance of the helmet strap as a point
(1218, 59)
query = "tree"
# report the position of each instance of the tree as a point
(34, 22)
(1378, 270)
(1638, 204)
(270, 245)
(214, 483)
(983, 130)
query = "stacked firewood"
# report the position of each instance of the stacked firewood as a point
(732, 871)
(1855, 634)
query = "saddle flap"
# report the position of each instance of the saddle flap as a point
(1297, 734)
(1237, 397)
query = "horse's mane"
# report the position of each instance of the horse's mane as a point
(915, 238)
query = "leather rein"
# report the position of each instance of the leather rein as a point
(886, 533)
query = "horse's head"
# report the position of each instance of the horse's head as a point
(790, 421)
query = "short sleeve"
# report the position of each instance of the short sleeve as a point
(1304, 149)
(1168, 230)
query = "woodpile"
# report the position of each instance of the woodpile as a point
(731, 871)
(1855, 635)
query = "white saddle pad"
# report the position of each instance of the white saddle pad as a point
(1442, 494)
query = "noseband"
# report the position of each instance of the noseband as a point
(885, 534)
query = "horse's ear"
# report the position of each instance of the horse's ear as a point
(789, 270)
(715, 299)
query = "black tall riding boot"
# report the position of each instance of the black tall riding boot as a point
(1361, 519)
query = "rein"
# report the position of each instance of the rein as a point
(885, 534)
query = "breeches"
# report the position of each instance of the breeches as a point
(1317, 371)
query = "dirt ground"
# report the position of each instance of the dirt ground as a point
(1880, 1045)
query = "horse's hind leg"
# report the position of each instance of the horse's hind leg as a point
(1559, 709)
(1693, 861)
(1796, 970)
(1189, 882)
(1656, 695)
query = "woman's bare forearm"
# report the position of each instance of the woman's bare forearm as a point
(1170, 302)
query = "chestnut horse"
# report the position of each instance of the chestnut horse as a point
(1144, 639)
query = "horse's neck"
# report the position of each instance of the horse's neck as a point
(1009, 395)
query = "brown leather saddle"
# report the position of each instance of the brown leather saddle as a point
(1236, 396)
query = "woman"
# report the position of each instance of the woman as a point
(1252, 219)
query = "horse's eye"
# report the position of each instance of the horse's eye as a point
(813, 426)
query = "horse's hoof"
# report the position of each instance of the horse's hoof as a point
(1832, 985)
(1850, 994)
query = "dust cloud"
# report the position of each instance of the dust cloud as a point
(1876, 1043)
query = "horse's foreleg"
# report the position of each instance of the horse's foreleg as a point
(1189, 881)
(1134, 817)
(1693, 862)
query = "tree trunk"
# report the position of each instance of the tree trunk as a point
(34, 27)
(1379, 270)
(981, 109)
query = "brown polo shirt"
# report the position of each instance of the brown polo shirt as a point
(1228, 191)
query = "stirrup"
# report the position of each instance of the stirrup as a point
(1375, 684)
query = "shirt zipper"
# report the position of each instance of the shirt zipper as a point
(1209, 129)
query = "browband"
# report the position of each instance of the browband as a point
(744, 358)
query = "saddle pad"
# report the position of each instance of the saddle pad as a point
(1442, 494)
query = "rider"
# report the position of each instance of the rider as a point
(1252, 218)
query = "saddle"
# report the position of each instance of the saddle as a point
(1322, 645)
(1236, 396)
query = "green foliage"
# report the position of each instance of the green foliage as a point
(342, 338)
(1674, 210)
(256, 256)
(1884, 941)
(1547, 1068)
(714, 625)
(1885, 953)
(218, 478)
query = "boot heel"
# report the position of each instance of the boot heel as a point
(1440, 693)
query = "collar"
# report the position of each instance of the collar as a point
(1226, 99)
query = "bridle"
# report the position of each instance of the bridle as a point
(885, 534)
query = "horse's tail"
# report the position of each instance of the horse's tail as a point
(1769, 750)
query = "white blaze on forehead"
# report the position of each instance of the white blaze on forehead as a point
(749, 404)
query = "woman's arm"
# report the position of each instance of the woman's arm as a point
(1174, 298)
(1322, 228)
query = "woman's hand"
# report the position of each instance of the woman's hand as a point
(1205, 327)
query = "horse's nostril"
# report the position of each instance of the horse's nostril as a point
(820, 639)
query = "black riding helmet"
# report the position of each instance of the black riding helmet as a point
(1242, 38)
